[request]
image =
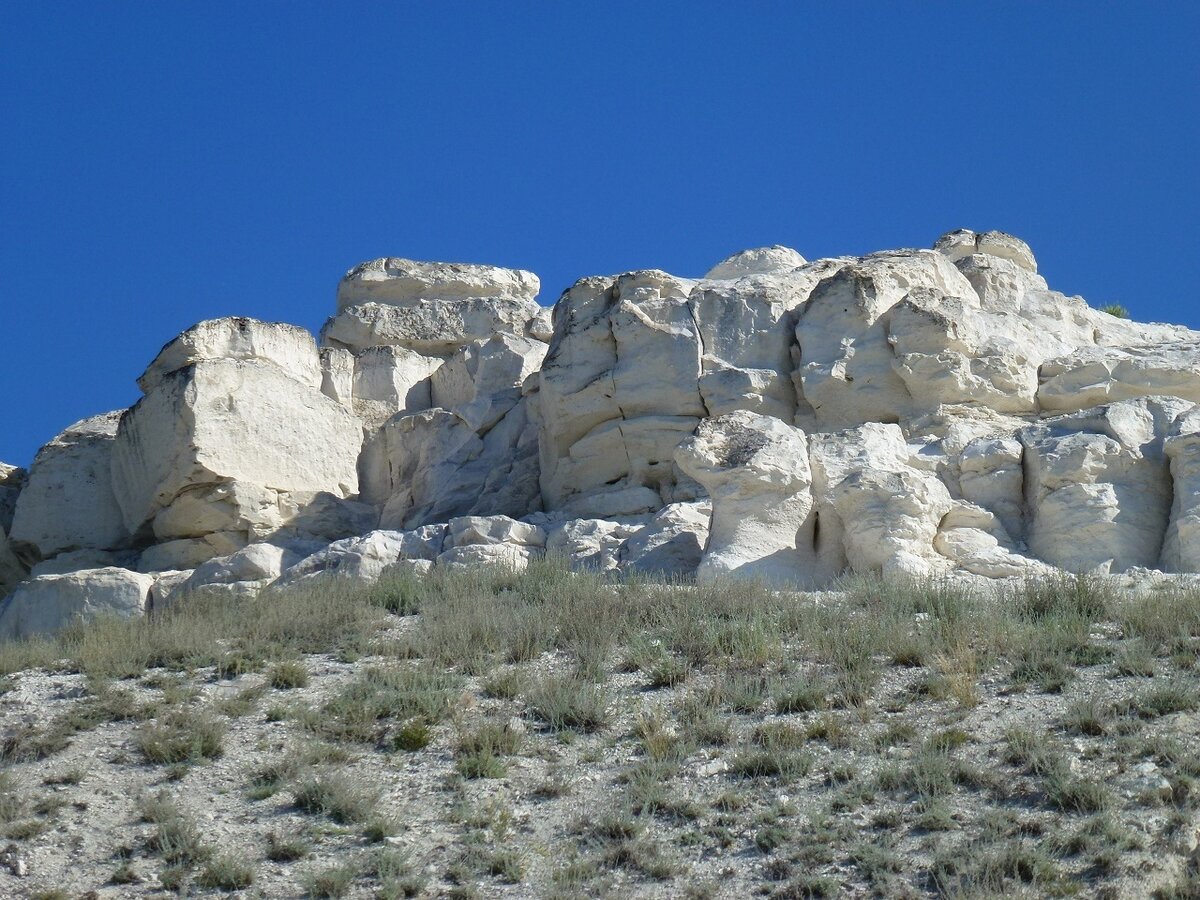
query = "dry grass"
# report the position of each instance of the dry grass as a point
(863, 744)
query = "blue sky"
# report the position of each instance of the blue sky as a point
(164, 163)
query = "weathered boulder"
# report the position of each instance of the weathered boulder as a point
(249, 570)
(365, 558)
(878, 513)
(467, 531)
(671, 544)
(387, 380)
(1097, 485)
(506, 556)
(975, 541)
(963, 243)
(755, 468)
(403, 282)
(847, 367)
(948, 351)
(619, 387)
(991, 476)
(484, 380)
(433, 466)
(593, 544)
(188, 553)
(1094, 375)
(757, 261)
(47, 604)
(289, 347)
(68, 502)
(240, 444)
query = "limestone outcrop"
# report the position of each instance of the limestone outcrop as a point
(908, 413)
(68, 502)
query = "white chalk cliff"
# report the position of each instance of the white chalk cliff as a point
(907, 413)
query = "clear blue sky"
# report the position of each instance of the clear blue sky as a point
(163, 163)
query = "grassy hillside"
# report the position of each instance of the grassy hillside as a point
(489, 734)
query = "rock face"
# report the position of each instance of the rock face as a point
(935, 412)
(233, 444)
(68, 502)
(757, 472)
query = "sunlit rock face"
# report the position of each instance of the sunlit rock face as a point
(908, 413)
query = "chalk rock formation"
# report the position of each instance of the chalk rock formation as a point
(49, 603)
(68, 502)
(227, 449)
(904, 413)
(759, 261)
(1099, 487)
(756, 470)
(12, 570)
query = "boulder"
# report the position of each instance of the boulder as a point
(758, 261)
(389, 380)
(991, 476)
(236, 422)
(467, 531)
(405, 282)
(878, 514)
(47, 604)
(670, 545)
(1097, 485)
(957, 245)
(593, 544)
(256, 564)
(847, 370)
(69, 502)
(364, 559)
(1095, 375)
(188, 553)
(289, 347)
(484, 380)
(975, 541)
(755, 468)
(505, 556)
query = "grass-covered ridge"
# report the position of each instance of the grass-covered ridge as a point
(567, 735)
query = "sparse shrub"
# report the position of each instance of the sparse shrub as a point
(343, 798)
(568, 702)
(177, 839)
(799, 695)
(360, 711)
(226, 872)
(285, 676)
(181, 736)
(286, 848)
(1116, 310)
(412, 736)
(332, 882)
(506, 685)
(481, 752)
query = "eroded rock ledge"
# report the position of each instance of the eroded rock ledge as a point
(909, 412)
